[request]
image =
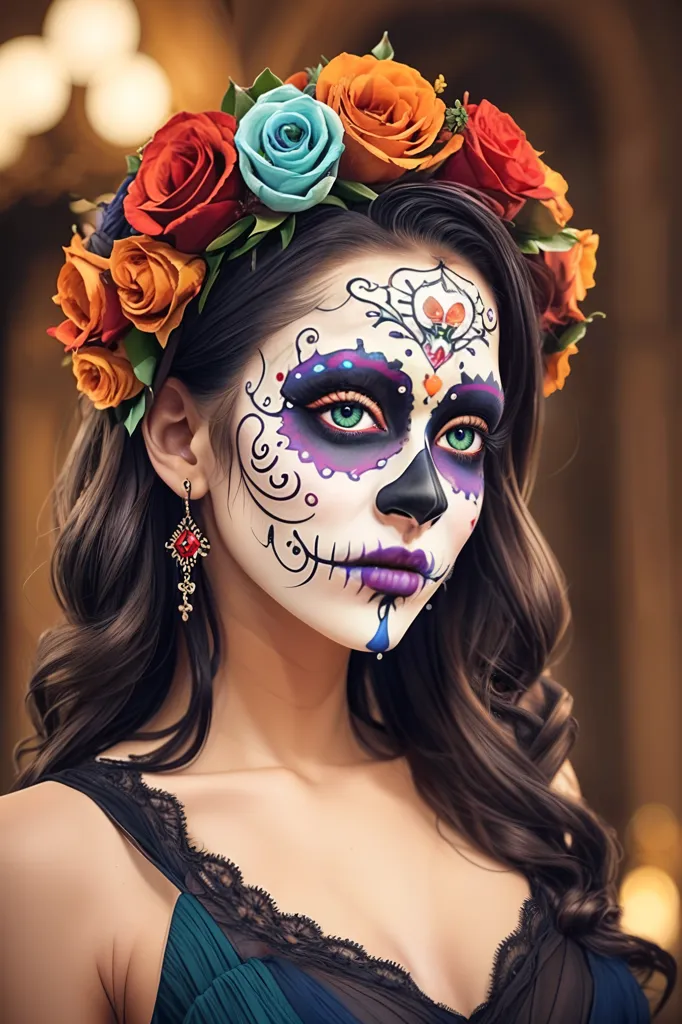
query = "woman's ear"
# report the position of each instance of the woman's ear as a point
(176, 436)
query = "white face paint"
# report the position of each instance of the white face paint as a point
(359, 436)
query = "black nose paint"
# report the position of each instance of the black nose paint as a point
(417, 493)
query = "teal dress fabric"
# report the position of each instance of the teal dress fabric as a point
(232, 957)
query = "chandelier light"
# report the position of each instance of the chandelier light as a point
(128, 100)
(34, 90)
(85, 34)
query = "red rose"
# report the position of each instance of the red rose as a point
(188, 188)
(497, 158)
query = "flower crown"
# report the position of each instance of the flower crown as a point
(210, 186)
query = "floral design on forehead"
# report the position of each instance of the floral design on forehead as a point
(440, 310)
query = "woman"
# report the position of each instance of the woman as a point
(330, 784)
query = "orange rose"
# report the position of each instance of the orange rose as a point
(105, 375)
(299, 79)
(558, 205)
(391, 117)
(155, 282)
(557, 369)
(87, 298)
(573, 272)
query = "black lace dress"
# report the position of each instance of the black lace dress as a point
(232, 958)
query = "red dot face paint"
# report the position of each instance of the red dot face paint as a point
(279, 377)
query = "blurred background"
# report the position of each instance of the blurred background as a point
(597, 86)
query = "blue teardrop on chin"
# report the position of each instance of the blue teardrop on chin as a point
(379, 641)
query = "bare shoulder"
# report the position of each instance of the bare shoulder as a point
(54, 907)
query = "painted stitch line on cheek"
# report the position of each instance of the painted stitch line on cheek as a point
(333, 450)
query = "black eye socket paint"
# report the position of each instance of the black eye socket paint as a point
(472, 397)
(334, 450)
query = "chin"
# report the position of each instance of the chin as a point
(363, 621)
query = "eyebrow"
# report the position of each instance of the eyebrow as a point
(484, 399)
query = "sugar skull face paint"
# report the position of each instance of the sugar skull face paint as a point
(356, 481)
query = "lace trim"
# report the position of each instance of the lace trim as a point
(212, 876)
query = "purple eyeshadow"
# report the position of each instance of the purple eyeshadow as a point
(477, 397)
(346, 369)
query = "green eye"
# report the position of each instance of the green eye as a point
(461, 438)
(347, 415)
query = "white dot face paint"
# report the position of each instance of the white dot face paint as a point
(357, 479)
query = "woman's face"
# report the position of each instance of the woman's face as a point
(359, 437)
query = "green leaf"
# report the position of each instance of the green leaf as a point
(213, 260)
(136, 412)
(264, 83)
(133, 161)
(561, 242)
(572, 335)
(66, 361)
(331, 200)
(228, 102)
(267, 222)
(354, 191)
(143, 351)
(234, 232)
(236, 101)
(286, 230)
(527, 245)
(383, 50)
(250, 243)
(310, 90)
(575, 332)
(313, 74)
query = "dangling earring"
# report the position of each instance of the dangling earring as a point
(186, 544)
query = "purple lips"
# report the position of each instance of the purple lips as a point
(394, 570)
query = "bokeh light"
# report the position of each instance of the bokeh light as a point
(651, 905)
(654, 833)
(34, 89)
(128, 100)
(85, 34)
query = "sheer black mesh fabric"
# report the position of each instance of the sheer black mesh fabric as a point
(539, 976)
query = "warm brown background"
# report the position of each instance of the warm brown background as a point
(597, 84)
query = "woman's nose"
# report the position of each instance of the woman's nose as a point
(417, 492)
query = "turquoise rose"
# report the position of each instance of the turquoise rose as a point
(289, 149)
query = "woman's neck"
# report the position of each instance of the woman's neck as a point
(279, 696)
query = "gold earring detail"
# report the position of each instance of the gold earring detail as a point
(186, 544)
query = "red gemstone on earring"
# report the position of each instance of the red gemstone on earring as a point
(187, 544)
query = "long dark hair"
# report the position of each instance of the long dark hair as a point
(464, 697)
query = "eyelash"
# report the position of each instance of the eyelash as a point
(335, 398)
(466, 421)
